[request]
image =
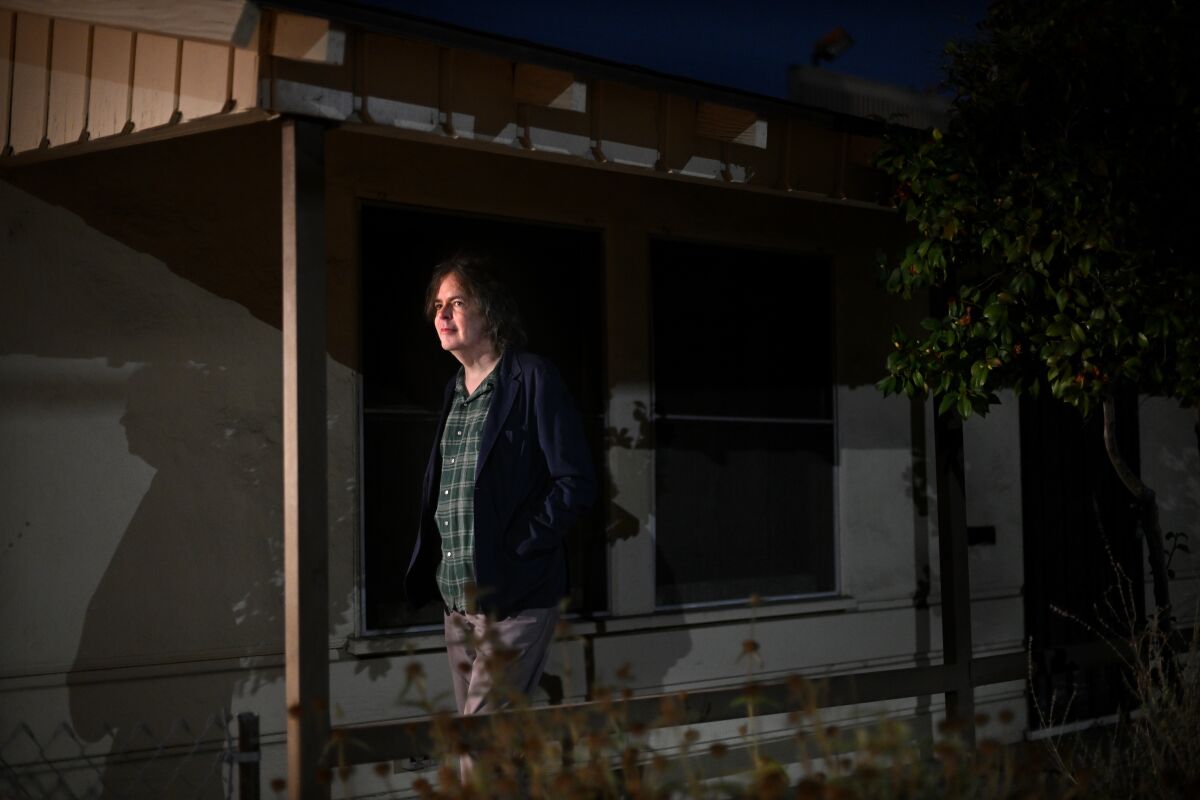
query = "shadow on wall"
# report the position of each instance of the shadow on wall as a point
(669, 647)
(620, 523)
(163, 256)
(196, 575)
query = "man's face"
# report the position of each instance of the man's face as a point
(459, 324)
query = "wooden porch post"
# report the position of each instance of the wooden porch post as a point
(955, 576)
(306, 575)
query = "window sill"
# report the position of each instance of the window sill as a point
(693, 617)
(428, 638)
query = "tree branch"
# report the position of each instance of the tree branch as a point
(1132, 482)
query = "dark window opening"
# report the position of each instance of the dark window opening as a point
(743, 424)
(557, 277)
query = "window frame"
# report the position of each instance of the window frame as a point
(826, 262)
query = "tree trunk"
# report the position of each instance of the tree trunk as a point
(1148, 513)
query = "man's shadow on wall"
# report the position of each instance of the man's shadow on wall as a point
(179, 576)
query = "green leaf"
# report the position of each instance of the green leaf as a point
(964, 405)
(946, 404)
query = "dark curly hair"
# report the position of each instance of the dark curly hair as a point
(476, 274)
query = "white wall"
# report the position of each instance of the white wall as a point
(1170, 461)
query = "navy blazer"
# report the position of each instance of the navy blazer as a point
(533, 479)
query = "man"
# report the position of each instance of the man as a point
(508, 476)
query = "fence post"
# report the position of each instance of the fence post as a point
(249, 757)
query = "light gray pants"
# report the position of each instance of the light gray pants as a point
(493, 660)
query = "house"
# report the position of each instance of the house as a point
(218, 218)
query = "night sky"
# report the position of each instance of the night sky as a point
(746, 44)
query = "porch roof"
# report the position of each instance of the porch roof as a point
(88, 75)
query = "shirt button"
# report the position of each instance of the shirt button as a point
(460, 433)
(452, 461)
(446, 492)
(449, 554)
(446, 523)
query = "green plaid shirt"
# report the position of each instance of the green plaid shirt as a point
(455, 513)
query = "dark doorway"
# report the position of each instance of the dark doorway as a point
(556, 274)
(1080, 534)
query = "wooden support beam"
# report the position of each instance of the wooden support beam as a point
(955, 576)
(306, 575)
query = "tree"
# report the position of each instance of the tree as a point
(1054, 215)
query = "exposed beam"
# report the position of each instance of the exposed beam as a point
(197, 126)
(306, 547)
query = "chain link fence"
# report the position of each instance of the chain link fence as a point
(216, 759)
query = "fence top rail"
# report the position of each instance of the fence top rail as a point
(366, 744)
